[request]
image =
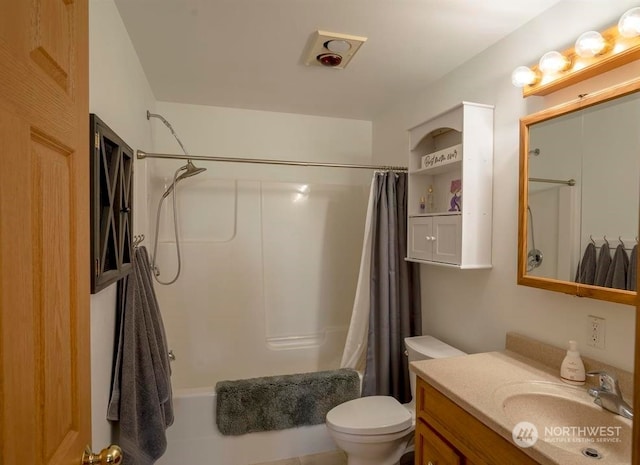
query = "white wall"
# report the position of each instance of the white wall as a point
(474, 309)
(120, 95)
(270, 254)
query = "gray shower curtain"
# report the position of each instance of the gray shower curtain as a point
(395, 292)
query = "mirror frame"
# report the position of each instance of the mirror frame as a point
(567, 287)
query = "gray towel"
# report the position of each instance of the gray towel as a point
(586, 273)
(141, 391)
(604, 262)
(617, 275)
(284, 401)
(632, 274)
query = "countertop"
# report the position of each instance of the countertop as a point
(471, 382)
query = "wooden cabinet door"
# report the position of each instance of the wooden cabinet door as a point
(45, 374)
(433, 450)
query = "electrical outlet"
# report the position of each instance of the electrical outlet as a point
(596, 332)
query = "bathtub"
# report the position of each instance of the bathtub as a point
(194, 437)
(269, 273)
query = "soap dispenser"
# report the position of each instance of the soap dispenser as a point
(572, 368)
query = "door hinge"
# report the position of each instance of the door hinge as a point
(97, 267)
(97, 140)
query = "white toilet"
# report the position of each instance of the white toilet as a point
(377, 430)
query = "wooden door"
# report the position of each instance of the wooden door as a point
(44, 241)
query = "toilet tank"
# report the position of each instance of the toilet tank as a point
(427, 347)
(424, 348)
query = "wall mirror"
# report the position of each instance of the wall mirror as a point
(579, 191)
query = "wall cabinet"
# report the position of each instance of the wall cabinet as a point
(111, 205)
(450, 192)
(446, 434)
(435, 238)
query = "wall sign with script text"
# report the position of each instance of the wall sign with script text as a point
(442, 157)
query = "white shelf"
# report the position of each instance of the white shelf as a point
(467, 127)
(420, 215)
(438, 169)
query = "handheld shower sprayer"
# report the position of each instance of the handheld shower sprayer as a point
(181, 173)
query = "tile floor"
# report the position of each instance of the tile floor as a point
(326, 458)
(329, 458)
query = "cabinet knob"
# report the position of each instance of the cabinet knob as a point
(433, 238)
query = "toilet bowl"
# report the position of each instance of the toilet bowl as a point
(377, 430)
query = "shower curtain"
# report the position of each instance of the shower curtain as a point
(392, 297)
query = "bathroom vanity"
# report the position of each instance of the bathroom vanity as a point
(468, 408)
(446, 434)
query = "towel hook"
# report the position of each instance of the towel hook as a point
(605, 239)
(620, 239)
(591, 239)
(137, 239)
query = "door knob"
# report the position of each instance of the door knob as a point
(110, 455)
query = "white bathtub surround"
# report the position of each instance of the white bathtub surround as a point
(194, 437)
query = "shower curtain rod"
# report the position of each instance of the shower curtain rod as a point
(569, 182)
(141, 154)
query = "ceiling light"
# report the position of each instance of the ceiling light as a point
(590, 44)
(553, 62)
(337, 46)
(523, 76)
(332, 49)
(629, 24)
(329, 59)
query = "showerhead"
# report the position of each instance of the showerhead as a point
(189, 170)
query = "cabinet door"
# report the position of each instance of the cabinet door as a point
(421, 238)
(447, 233)
(433, 450)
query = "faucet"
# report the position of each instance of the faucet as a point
(608, 396)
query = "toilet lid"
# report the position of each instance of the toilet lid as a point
(369, 415)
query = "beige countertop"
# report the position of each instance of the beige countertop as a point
(473, 381)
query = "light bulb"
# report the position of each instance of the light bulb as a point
(590, 44)
(523, 76)
(629, 24)
(337, 46)
(553, 62)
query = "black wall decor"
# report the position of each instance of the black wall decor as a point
(111, 205)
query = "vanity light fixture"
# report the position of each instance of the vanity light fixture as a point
(591, 44)
(553, 62)
(594, 53)
(524, 76)
(629, 24)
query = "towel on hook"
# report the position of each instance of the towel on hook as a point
(632, 274)
(604, 262)
(586, 273)
(141, 391)
(617, 275)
